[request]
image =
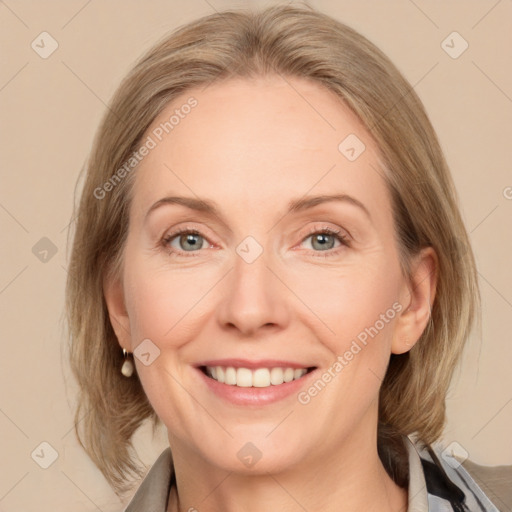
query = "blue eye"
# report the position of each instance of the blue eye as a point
(323, 241)
(189, 240)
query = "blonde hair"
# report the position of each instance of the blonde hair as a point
(293, 41)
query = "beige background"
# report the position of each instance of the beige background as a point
(50, 111)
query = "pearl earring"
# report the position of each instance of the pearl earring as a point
(127, 368)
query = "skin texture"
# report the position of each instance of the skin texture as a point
(253, 146)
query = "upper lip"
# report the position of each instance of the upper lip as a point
(254, 364)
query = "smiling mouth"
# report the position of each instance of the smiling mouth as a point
(259, 378)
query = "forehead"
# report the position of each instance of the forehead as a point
(252, 141)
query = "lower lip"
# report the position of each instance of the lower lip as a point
(255, 396)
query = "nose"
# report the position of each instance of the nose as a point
(253, 298)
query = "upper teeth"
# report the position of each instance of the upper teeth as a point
(260, 378)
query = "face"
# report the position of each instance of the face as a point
(231, 264)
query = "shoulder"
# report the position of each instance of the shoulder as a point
(484, 488)
(495, 481)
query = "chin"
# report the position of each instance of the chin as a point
(256, 455)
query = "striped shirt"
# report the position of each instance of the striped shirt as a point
(439, 483)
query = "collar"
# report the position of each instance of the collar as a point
(437, 482)
(153, 492)
(418, 495)
(449, 486)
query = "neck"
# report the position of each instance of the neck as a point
(350, 477)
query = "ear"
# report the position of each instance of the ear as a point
(114, 297)
(417, 297)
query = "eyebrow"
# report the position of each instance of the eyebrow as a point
(295, 205)
(304, 203)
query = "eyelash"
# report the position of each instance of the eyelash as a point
(166, 240)
(315, 231)
(330, 231)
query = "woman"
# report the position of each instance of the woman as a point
(269, 259)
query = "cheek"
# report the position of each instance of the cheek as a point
(351, 301)
(161, 301)
(360, 306)
(160, 305)
(155, 308)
